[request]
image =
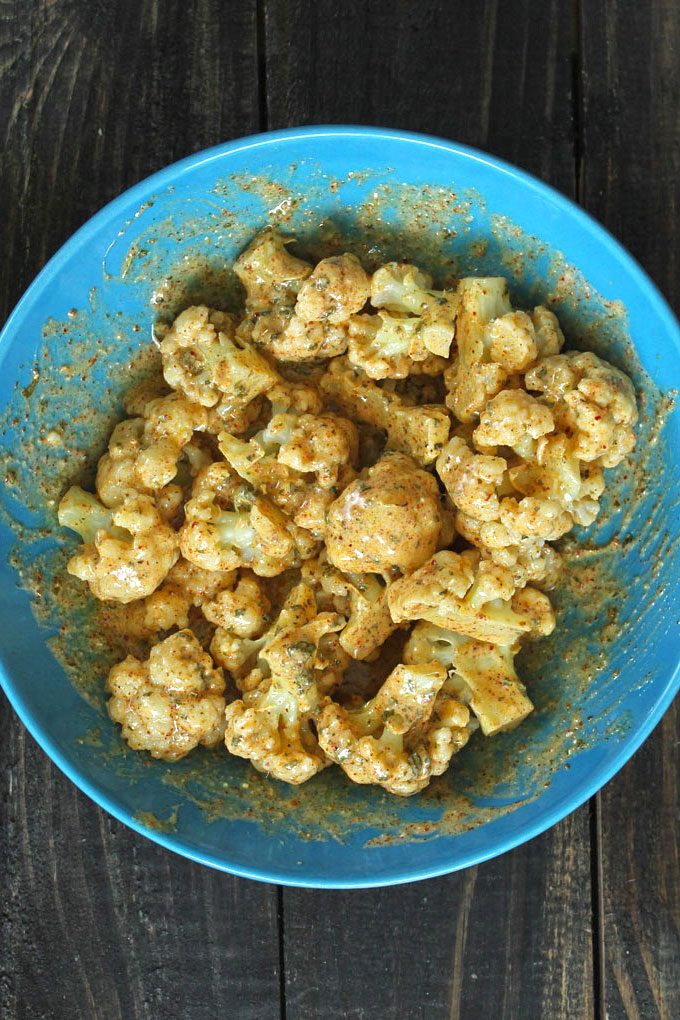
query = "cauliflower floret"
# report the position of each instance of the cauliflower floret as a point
(592, 400)
(536, 517)
(406, 290)
(117, 469)
(302, 341)
(547, 333)
(483, 675)
(170, 703)
(420, 431)
(244, 610)
(269, 273)
(474, 377)
(315, 328)
(515, 419)
(271, 724)
(557, 474)
(193, 350)
(337, 288)
(273, 279)
(311, 514)
(389, 345)
(241, 655)
(186, 585)
(320, 446)
(529, 560)
(127, 551)
(256, 462)
(247, 658)
(144, 453)
(471, 596)
(203, 359)
(362, 598)
(402, 737)
(391, 516)
(299, 462)
(163, 610)
(277, 459)
(294, 398)
(254, 534)
(197, 585)
(237, 421)
(512, 341)
(471, 479)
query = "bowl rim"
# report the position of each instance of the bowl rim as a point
(527, 830)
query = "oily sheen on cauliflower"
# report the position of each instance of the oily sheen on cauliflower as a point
(401, 738)
(271, 724)
(352, 469)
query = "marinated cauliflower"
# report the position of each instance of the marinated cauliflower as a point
(362, 598)
(336, 288)
(170, 703)
(402, 737)
(390, 516)
(418, 431)
(271, 724)
(592, 401)
(280, 458)
(127, 551)
(474, 377)
(348, 457)
(529, 560)
(481, 675)
(145, 454)
(389, 345)
(472, 480)
(406, 290)
(193, 351)
(249, 532)
(515, 419)
(471, 596)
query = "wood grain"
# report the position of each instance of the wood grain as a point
(510, 938)
(492, 74)
(631, 181)
(95, 96)
(99, 922)
(513, 938)
(95, 921)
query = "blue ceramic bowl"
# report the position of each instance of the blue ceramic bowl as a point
(72, 346)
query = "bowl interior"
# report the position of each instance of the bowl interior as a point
(82, 334)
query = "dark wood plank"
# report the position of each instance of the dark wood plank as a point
(508, 939)
(99, 922)
(631, 181)
(96, 96)
(512, 938)
(490, 74)
(96, 921)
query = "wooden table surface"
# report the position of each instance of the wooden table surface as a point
(96, 921)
